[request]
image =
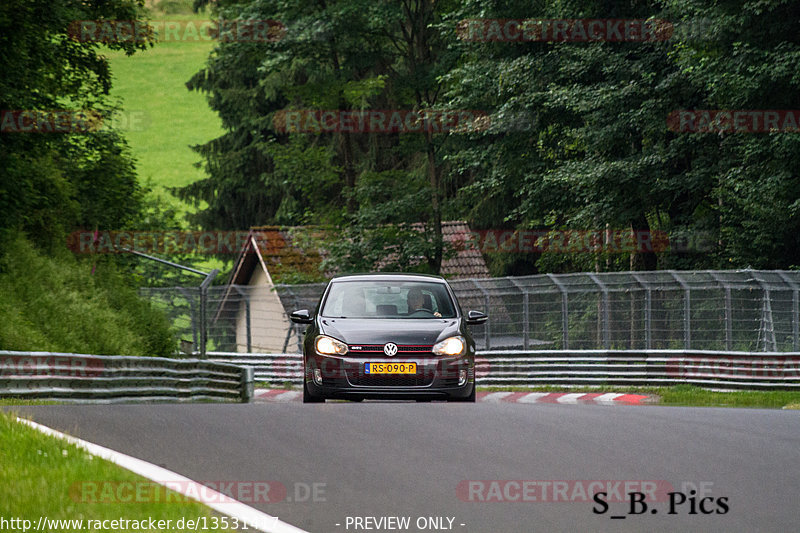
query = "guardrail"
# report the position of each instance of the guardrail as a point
(709, 369)
(272, 368)
(110, 378)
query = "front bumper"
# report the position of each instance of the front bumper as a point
(344, 377)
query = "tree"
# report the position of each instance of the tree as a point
(55, 181)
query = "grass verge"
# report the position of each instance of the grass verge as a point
(74, 306)
(42, 477)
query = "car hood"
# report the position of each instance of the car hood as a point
(399, 331)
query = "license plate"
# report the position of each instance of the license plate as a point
(390, 368)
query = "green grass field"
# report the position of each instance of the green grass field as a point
(161, 118)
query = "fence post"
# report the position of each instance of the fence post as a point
(525, 314)
(526, 325)
(203, 304)
(605, 310)
(193, 315)
(487, 332)
(687, 311)
(564, 311)
(648, 312)
(795, 310)
(767, 323)
(728, 319)
(728, 310)
(293, 328)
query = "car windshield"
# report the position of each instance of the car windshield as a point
(388, 299)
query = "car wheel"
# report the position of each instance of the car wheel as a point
(469, 399)
(309, 398)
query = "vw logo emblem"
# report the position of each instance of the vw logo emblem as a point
(390, 349)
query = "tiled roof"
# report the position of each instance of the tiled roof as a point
(289, 258)
(468, 261)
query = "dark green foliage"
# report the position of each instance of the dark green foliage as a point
(53, 182)
(578, 136)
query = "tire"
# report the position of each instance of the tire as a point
(468, 399)
(308, 397)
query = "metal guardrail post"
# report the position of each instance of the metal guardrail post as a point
(246, 298)
(605, 310)
(564, 311)
(248, 384)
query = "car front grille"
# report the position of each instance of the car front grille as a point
(416, 380)
(337, 381)
(354, 350)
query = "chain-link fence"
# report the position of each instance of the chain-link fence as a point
(748, 310)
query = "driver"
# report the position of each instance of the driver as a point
(415, 300)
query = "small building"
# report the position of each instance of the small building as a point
(272, 256)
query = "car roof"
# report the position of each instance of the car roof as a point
(389, 276)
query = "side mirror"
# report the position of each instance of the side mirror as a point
(301, 316)
(476, 317)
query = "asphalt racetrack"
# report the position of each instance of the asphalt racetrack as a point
(434, 462)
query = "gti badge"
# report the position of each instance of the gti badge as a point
(390, 349)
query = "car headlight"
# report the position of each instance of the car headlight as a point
(330, 346)
(451, 346)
